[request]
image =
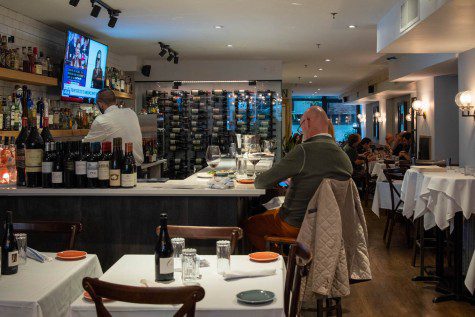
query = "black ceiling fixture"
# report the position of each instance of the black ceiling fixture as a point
(172, 54)
(96, 9)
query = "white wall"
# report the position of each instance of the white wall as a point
(389, 26)
(411, 63)
(425, 127)
(466, 81)
(212, 70)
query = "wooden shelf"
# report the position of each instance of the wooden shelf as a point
(26, 78)
(123, 95)
(54, 133)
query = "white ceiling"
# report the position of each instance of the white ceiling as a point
(257, 29)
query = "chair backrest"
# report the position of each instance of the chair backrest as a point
(393, 174)
(188, 296)
(206, 233)
(73, 228)
(388, 163)
(296, 270)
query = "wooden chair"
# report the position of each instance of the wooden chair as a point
(396, 207)
(58, 227)
(234, 234)
(369, 183)
(188, 296)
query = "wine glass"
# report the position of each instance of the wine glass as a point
(213, 156)
(254, 155)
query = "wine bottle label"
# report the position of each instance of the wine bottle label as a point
(46, 167)
(81, 167)
(194, 110)
(196, 141)
(33, 159)
(176, 130)
(13, 258)
(114, 178)
(128, 180)
(166, 265)
(198, 136)
(173, 135)
(177, 161)
(20, 158)
(103, 170)
(57, 177)
(70, 166)
(92, 169)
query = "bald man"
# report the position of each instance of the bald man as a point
(318, 157)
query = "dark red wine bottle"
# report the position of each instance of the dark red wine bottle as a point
(33, 157)
(9, 248)
(20, 153)
(164, 265)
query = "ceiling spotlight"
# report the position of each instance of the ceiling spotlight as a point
(309, 82)
(352, 26)
(229, 45)
(296, 4)
(170, 57)
(113, 16)
(74, 3)
(218, 27)
(175, 59)
(95, 9)
(320, 69)
(162, 52)
(163, 49)
(328, 60)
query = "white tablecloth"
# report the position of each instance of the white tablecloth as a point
(437, 197)
(220, 297)
(378, 171)
(382, 196)
(45, 289)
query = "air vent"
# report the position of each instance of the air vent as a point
(371, 89)
(409, 14)
(345, 98)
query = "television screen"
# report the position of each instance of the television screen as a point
(84, 68)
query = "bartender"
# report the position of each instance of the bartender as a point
(115, 122)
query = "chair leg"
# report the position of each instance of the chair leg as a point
(388, 216)
(390, 230)
(329, 307)
(408, 233)
(339, 310)
(319, 307)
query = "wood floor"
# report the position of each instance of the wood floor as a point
(391, 292)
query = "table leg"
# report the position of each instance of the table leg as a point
(422, 277)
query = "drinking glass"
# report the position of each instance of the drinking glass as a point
(223, 253)
(178, 246)
(189, 266)
(232, 150)
(21, 239)
(470, 170)
(213, 156)
(241, 167)
(254, 156)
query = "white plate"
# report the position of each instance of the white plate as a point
(204, 175)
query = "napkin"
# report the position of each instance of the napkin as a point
(230, 275)
(37, 256)
(274, 203)
(221, 183)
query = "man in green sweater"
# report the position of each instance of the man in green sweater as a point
(318, 157)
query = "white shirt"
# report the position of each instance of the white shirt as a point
(118, 123)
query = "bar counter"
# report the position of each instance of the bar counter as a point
(123, 221)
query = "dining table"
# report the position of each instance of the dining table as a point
(443, 199)
(220, 294)
(45, 289)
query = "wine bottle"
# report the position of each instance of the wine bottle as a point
(45, 133)
(47, 165)
(116, 163)
(80, 165)
(20, 153)
(33, 157)
(9, 248)
(93, 165)
(69, 176)
(103, 166)
(164, 265)
(58, 166)
(127, 169)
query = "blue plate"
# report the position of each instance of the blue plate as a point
(255, 297)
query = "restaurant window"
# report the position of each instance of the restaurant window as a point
(402, 111)
(344, 119)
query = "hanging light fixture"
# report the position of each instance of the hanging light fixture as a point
(419, 108)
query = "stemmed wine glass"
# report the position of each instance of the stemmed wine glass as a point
(254, 156)
(213, 156)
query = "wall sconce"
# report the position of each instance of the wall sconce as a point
(361, 118)
(464, 102)
(408, 117)
(419, 108)
(378, 117)
(355, 126)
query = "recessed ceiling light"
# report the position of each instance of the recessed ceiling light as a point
(328, 60)
(315, 76)
(320, 69)
(218, 26)
(352, 26)
(318, 89)
(229, 45)
(296, 4)
(309, 82)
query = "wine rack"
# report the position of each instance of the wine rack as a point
(220, 134)
(265, 114)
(244, 112)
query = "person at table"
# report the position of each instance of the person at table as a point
(406, 142)
(398, 144)
(115, 122)
(350, 149)
(389, 139)
(307, 164)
